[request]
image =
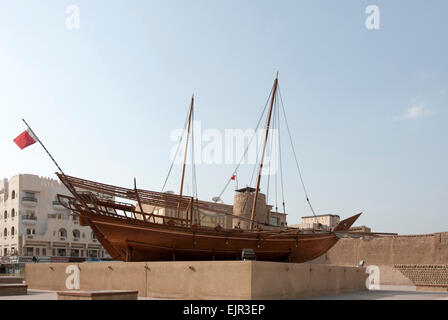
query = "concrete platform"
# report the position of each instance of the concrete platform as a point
(11, 279)
(98, 295)
(212, 280)
(13, 289)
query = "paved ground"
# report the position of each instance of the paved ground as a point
(43, 295)
(33, 295)
(386, 295)
(363, 295)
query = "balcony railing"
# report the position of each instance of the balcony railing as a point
(57, 203)
(26, 217)
(31, 199)
(57, 216)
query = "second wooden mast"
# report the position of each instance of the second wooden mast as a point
(260, 169)
(185, 154)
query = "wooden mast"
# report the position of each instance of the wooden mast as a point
(268, 122)
(185, 154)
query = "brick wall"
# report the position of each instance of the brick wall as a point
(425, 275)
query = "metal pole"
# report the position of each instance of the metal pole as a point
(44, 147)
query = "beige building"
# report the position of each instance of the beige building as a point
(242, 207)
(360, 229)
(318, 222)
(34, 223)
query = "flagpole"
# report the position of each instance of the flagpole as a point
(44, 147)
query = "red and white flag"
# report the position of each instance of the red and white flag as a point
(25, 139)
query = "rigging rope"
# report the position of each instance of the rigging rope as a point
(175, 155)
(174, 159)
(280, 158)
(295, 155)
(193, 172)
(277, 124)
(193, 163)
(257, 149)
(271, 148)
(247, 148)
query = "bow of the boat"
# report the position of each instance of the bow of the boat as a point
(344, 225)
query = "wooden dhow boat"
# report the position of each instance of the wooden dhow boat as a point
(129, 233)
(141, 225)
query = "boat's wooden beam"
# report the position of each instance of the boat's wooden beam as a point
(138, 199)
(185, 153)
(268, 122)
(112, 205)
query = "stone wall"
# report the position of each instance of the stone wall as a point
(389, 250)
(235, 280)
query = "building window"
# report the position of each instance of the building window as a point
(30, 215)
(62, 233)
(13, 194)
(37, 251)
(29, 196)
(5, 232)
(12, 231)
(5, 215)
(93, 253)
(273, 221)
(29, 252)
(13, 213)
(93, 236)
(76, 234)
(44, 251)
(61, 253)
(30, 231)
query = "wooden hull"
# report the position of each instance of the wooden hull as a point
(132, 235)
(142, 241)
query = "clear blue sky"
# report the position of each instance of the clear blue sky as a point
(367, 108)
